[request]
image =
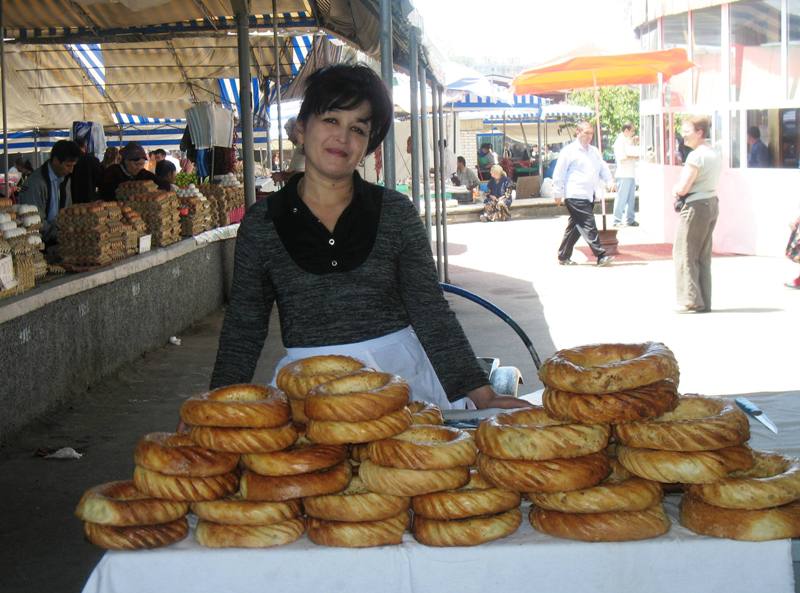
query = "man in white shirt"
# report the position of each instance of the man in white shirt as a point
(626, 153)
(578, 173)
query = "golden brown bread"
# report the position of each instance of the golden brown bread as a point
(696, 424)
(234, 510)
(410, 482)
(774, 480)
(121, 504)
(552, 475)
(183, 488)
(530, 433)
(304, 457)
(477, 497)
(358, 534)
(179, 455)
(245, 440)
(243, 406)
(620, 491)
(337, 433)
(356, 397)
(296, 379)
(136, 537)
(608, 368)
(602, 527)
(755, 526)
(256, 487)
(471, 531)
(424, 446)
(425, 413)
(687, 467)
(355, 503)
(640, 403)
(218, 535)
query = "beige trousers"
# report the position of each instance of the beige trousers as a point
(692, 253)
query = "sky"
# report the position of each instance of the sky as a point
(526, 32)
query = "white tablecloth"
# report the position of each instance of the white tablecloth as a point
(527, 561)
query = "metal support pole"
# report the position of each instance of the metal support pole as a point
(3, 93)
(442, 182)
(455, 129)
(413, 66)
(426, 177)
(36, 148)
(245, 100)
(277, 81)
(438, 194)
(387, 72)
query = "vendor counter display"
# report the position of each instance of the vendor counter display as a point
(338, 452)
(20, 227)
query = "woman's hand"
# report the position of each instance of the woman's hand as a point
(485, 397)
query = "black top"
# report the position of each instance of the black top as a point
(116, 174)
(386, 281)
(86, 178)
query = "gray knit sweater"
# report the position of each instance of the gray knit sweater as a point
(395, 287)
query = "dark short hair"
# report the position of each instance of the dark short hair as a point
(65, 150)
(164, 168)
(486, 145)
(461, 160)
(754, 132)
(160, 151)
(627, 126)
(344, 87)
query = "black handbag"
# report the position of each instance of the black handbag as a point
(679, 203)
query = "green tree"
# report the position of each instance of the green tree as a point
(618, 104)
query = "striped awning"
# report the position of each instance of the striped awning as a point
(528, 103)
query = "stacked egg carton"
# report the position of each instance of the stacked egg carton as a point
(130, 189)
(90, 235)
(160, 212)
(195, 211)
(135, 228)
(12, 288)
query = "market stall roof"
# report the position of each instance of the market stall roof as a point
(159, 56)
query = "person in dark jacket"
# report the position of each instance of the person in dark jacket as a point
(131, 168)
(87, 176)
(757, 152)
(49, 188)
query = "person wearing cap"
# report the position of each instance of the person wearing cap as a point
(131, 168)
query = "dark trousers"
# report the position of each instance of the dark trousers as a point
(581, 224)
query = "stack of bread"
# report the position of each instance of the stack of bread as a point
(253, 421)
(557, 454)
(90, 234)
(129, 189)
(160, 212)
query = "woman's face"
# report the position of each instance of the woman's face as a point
(497, 175)
(691, 137)
(134, 166)
(334, 142)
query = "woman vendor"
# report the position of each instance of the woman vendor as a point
(347, 262)
(130, 168)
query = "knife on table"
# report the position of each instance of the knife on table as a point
(753, 410)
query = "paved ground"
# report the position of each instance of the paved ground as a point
(747, 344)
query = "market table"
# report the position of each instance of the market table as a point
(526, 561)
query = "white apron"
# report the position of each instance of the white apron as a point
(399, 353)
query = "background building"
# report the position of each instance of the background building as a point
(748, 74)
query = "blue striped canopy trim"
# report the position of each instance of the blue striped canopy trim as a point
(90, 58)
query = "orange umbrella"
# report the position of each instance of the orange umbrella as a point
(592, 71)
(596, 71)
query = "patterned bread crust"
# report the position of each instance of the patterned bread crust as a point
(696, 424)
(355, 503)
(602, 527)
(243, 406)
(218, 535)
(471, 531)
(358, 534)
(136, 537)
(608, 368)
(256, 487)
(359, 396)
(183, 488)
(425, 413)
(424, 446)
(410, 482)
(245, 440)
(302, 458)
(639, 403)
(747, 525)
(686, 467)
(337, 433)
(296, 379)
(121, 504)
(477, 497)
(774, 480)
(530, 433)
(179, 455)
(552, 475)
(234, 510)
